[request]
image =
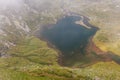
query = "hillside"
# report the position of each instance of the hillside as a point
(26, 56)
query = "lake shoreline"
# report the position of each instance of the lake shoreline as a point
(90, 46)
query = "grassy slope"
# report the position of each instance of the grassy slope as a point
(32, 59)
(102, 71)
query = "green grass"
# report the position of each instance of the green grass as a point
(33, 50)
(32, 59)
(102, 70)
(7, 74)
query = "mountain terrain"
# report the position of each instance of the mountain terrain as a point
(24, 55)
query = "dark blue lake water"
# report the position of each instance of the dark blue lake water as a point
(68, 37)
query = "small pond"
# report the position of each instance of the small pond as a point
(68, 37)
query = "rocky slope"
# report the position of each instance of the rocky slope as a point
(21, 18)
